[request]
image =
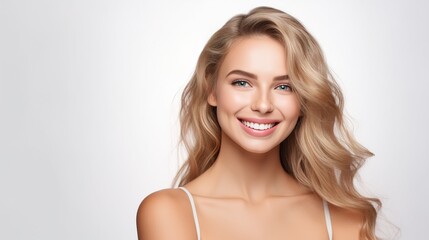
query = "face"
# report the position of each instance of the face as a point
(256, 106)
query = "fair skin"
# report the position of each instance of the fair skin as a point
(246, 194)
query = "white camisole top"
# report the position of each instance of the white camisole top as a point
(197, 225)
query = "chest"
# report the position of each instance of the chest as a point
(277, 219)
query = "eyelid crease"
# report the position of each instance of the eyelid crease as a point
(234, 82)
(239, 80)
(285, 84)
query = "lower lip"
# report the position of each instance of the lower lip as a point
(257, 133)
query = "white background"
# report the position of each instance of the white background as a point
(89, 95)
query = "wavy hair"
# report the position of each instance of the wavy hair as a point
(321, 153)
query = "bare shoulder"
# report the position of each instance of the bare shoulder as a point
(165, 214)
(159, 202)
(346, 223)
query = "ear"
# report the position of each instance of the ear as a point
(211, 99)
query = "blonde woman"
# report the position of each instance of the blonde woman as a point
(269, 156)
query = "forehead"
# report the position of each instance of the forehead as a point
(259, 54)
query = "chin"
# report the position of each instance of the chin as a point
(259, 149)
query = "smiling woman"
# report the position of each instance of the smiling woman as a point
(253, 93)
(269, 156)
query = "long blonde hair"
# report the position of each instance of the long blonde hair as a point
(320, 153)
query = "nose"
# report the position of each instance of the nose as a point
(262, 103)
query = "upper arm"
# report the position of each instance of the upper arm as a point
(346, 223)
(153, 216)
(160, 217)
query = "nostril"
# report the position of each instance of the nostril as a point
(262, 106)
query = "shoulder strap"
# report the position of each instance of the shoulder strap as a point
(194, 211)
(327, 219)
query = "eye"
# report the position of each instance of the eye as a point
(240, 83)
(284, 87)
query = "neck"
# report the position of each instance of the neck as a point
(247, 175)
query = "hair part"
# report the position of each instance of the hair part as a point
(320, 153)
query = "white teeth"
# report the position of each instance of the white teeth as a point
(258, 126)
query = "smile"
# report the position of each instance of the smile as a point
(258, 126)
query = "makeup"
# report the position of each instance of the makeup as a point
(258, 127)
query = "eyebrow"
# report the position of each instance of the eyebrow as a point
(251, 75)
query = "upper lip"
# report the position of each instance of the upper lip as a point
(259, 120)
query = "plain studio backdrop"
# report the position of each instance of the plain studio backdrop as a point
(90, 91)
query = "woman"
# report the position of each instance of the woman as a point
(269, 154)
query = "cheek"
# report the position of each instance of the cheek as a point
(290, 107)
(232, 100)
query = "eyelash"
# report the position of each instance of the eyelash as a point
(289, 88)
(241, 83)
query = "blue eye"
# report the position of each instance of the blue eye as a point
(240, 83)
(284, 87)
